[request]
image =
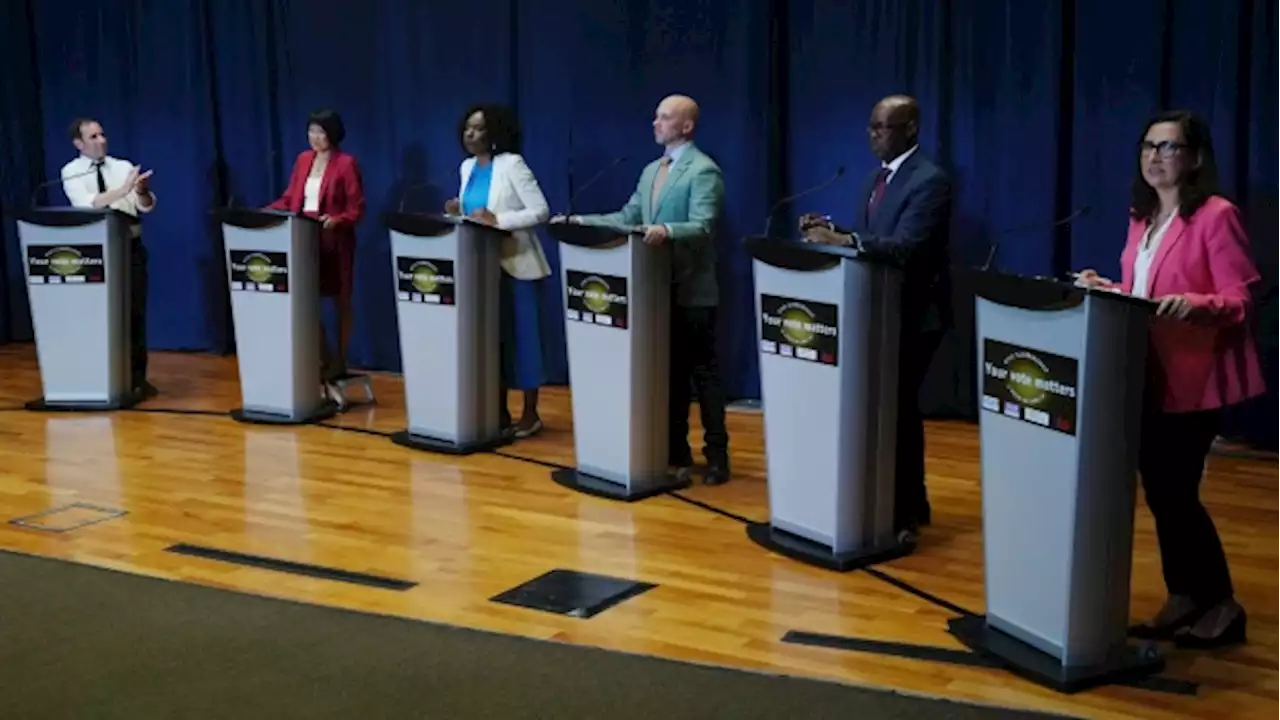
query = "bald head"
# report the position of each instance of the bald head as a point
(894, 126)
(675, 120)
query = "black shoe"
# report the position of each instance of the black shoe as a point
(145, 390)
(717, 474)
(1232, 634)
(1168, 630)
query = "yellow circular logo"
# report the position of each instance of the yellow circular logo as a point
(65, 261)
(797, 324)
(425, 277)
(595, 295)
(257, 267)
(1026, 379)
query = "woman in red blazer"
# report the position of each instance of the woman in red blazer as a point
(325, 184)
(1187, 250)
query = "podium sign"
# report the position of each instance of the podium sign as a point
(76, 266)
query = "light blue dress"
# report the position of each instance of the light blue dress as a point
(521, 338)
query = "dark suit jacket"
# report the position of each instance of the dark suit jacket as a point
(913, 223)
(341, 194)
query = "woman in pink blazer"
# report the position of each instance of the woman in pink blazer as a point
(1188, 251)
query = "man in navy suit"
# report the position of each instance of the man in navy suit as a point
(905, 212)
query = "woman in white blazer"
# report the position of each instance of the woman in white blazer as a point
(499, 189)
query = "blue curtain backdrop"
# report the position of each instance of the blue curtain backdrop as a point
(1034, 107)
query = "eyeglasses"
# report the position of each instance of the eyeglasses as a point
(1165, 148)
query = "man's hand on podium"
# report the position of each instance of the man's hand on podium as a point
(823, 235)
(656, 234)
(813, 220)
(452, 206)
(327, 222)
(564, 219)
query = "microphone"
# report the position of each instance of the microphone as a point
(408, 190)
(575, 193)
(995, 246)
(768, 221)
(57, 181)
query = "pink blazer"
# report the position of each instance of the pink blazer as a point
(1208, 360)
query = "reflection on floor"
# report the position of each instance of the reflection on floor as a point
(280, 510)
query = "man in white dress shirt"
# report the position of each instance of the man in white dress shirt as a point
(97, 180)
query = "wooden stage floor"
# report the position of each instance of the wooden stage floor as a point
(467, 529)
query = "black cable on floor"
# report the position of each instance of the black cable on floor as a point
(711, 508)
(178, 411)
(360, 430)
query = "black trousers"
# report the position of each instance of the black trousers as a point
(1171, 460)
(138, 312)
(911, 499)
(695, 369)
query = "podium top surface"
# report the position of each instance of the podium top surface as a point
(588, 235)
(1043, 293)
(796, 255)
(66, 216)
(255, 218)
(433, 225)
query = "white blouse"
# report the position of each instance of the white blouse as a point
(311, 195)
(1146, 253)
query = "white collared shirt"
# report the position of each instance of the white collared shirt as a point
(896, 163)
(80, 184)
(675, 152)
(1147, 253)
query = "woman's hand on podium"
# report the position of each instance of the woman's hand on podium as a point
(484, 216)
(452, 206)
(1177, 307)
(1090, 278)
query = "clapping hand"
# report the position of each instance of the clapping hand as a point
(139, 181)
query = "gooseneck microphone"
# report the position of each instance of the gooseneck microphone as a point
(575, 193)
(995, 246)
(57, 181)
(768, 221)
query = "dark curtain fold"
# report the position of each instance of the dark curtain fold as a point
(21, 157)
(1033, 109)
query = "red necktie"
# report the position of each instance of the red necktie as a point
(877, 192)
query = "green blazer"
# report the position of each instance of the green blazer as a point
(689, 205)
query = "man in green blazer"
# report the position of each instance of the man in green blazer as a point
(679, 200)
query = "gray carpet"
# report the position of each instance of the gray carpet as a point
(83, 642)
